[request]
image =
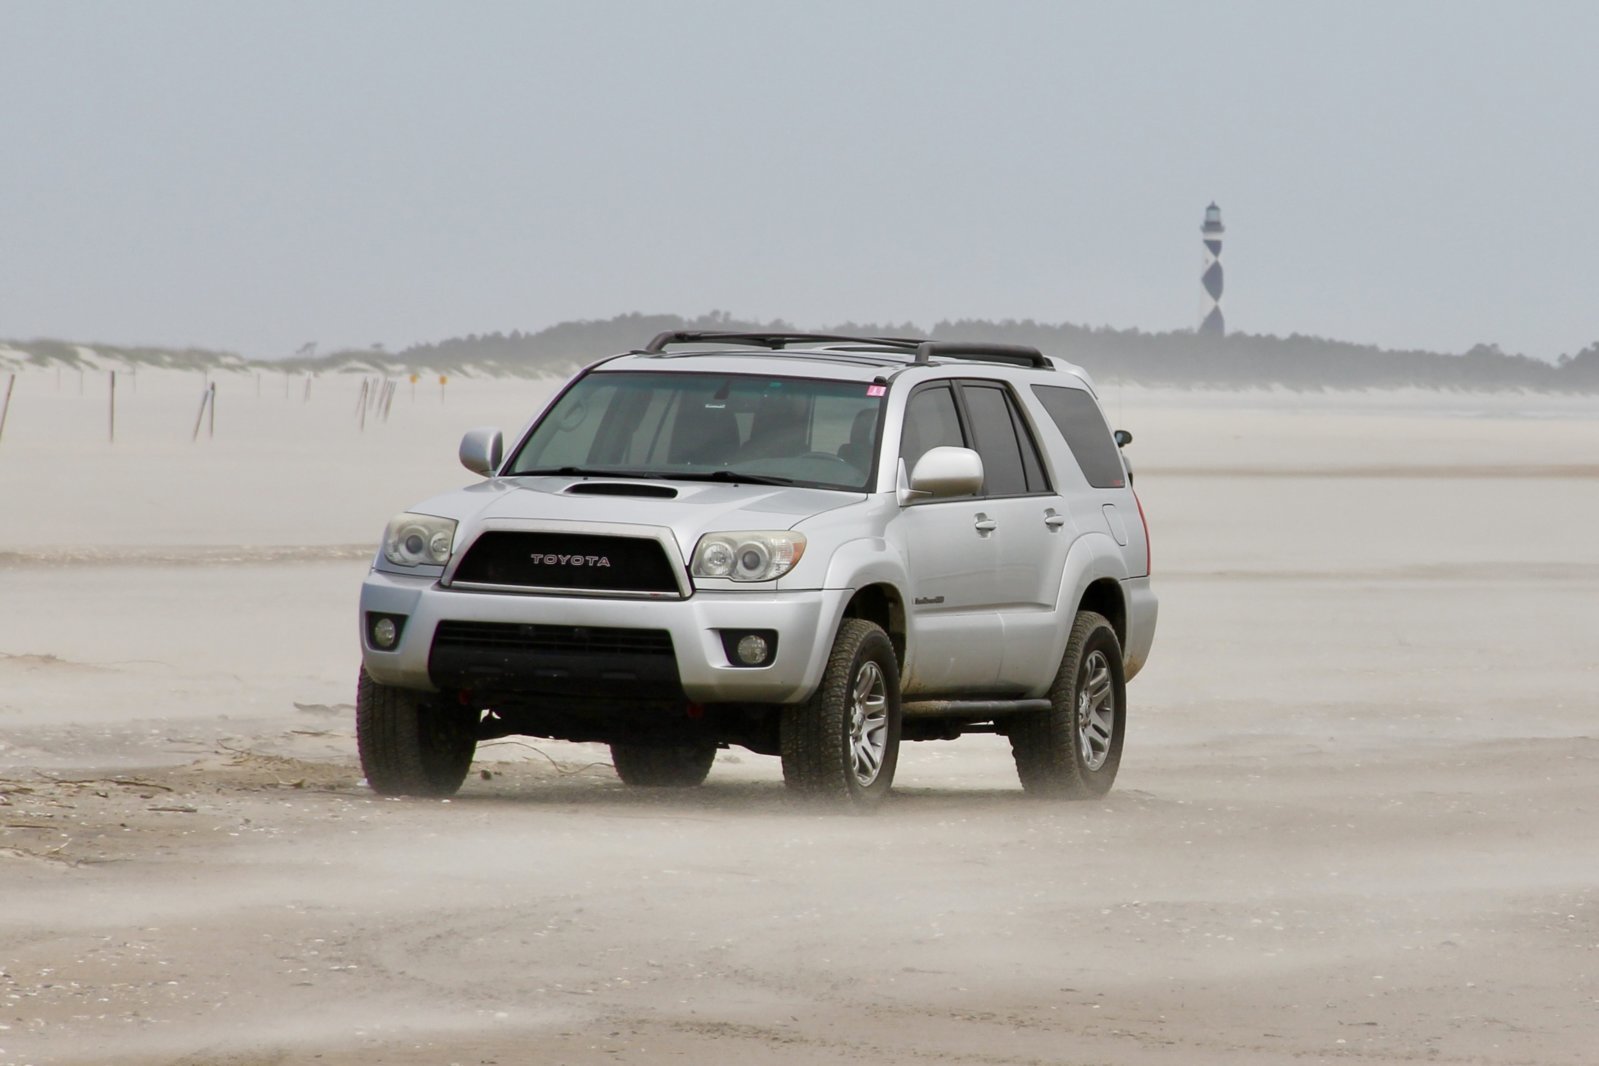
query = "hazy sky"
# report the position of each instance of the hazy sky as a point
(258, 175)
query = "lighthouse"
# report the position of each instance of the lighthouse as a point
(1212, 277)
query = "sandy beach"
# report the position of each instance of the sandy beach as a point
(1354, 822)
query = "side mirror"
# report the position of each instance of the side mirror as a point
(482, 449)
(1123, 439)
(943, 472)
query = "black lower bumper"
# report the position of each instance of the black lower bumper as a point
(555, 662)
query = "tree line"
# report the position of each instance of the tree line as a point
(1179, 358)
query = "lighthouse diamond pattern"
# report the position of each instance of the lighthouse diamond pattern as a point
(1212, 277)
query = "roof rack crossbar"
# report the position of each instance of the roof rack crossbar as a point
(1014, 354)
(773, 340)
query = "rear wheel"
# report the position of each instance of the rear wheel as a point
(842, 745)
(1075, 748)
(674, 766)
(412, 743)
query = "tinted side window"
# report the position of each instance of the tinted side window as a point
(1003, 474)
(1086, 433)
(1031, 462)
(930, 422)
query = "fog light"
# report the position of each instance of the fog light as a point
(752, 650)
(749, 647)
(384, 630)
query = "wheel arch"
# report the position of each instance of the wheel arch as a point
(881, 604)
(1104, 596)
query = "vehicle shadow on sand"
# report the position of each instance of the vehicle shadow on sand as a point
(597, 788)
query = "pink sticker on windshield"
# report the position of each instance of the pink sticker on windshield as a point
(876, 390)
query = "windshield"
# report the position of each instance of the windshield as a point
(820, 434)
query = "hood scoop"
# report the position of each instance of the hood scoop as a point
(621, 488)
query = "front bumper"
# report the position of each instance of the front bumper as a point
(804, 623)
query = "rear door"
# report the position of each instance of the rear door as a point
(1029, 532)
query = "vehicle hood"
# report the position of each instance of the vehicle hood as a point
(696, 509)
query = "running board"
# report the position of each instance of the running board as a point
(975, 710)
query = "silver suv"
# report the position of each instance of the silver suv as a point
(809, 545)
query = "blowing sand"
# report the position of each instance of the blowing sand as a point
(1355, 819)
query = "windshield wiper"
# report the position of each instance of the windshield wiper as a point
(657, 475)
(585, 471)
(733, 475)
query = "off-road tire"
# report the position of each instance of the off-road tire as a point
(412, 743)
(818, 737)
(676, 766)
(1048, 746)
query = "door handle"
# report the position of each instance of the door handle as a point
(1053, 520)
(985, 524)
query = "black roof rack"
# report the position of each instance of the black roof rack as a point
(773, 340)
(1015, 354)
(924, 350)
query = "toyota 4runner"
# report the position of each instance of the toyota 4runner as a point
(812, 546)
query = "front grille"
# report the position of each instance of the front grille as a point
(578, 561)
(574, 662)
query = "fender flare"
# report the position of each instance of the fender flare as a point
(856, 564)
(1094, 556)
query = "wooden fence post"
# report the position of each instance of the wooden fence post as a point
(199, 416)
(208, 399)
(5, 408)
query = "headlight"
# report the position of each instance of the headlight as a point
(761, 555)
(418, 540)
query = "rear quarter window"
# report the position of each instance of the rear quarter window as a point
(1080, 421)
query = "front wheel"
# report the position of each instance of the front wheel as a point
(412, 743)
(674, 766)
(1075, 748)
(842, 745)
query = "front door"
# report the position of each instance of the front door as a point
(952, 558)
